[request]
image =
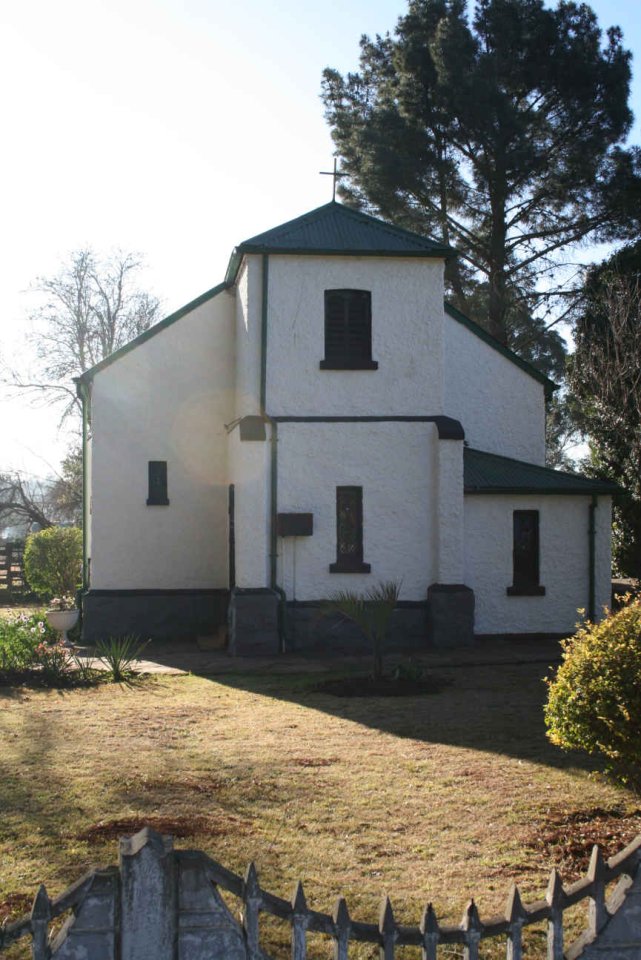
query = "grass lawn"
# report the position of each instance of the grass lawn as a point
(428, 798)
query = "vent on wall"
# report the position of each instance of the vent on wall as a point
(295, 524)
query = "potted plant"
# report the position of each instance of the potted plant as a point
(62, 615)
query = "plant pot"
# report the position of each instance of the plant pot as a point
(63, 620)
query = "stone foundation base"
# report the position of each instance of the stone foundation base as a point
(253, 623)
(152, 614)
(310, 632)
(451, 615)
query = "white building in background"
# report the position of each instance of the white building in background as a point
(319, 421)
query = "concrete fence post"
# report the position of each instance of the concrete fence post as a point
(147, 897)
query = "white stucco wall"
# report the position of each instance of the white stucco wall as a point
(501, 407)
(167, 399)
(393, 462)
(247, 333)
(564, 565)
(249, 471)
(407, 320)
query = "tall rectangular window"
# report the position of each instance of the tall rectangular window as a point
(349, 532)
(525, 554)
(157, 494)
(348, 330)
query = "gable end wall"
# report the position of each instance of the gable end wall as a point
(167, 399)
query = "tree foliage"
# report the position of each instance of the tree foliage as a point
(605, 376)
(53, 561)
(89, 309)
(501, 135)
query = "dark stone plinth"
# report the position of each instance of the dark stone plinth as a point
(253, 623)
(450, 615)
(152, 614)
(311, 632)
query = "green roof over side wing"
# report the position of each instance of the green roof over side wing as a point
(151, 332)
(489, 473)
(549, 385)
(336, 230)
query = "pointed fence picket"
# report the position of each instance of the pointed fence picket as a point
(429, 935)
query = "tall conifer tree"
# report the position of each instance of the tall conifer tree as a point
(501, 136)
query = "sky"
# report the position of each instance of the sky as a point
(173, 128)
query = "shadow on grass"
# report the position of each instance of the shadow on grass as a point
(495, 709)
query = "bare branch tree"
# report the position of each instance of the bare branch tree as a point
(24, 502)
(89, 309)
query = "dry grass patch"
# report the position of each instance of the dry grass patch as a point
(427, 798)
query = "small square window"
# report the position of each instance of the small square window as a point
(157, 494)
(349, 532)
(525, 554)
(348, 331)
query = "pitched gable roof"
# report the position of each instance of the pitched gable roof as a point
(336, 230)
(490, 473)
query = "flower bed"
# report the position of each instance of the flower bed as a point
(32, 652)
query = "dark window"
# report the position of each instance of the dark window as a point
(525, 554)
(157, 483)
(349, 532)
(348, 330)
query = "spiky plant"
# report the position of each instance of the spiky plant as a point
(371, 612)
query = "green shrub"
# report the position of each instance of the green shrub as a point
(594, 701)
(53, 561)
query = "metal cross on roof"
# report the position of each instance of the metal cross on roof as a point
(336, 174)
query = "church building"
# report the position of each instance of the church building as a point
(321, 421)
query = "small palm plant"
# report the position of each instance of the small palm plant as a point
(119, 654)
(371, 612)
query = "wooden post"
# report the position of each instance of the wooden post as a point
(343, 926)
(555, 897)
(300, 920)
(251, 909)
(387, 930)
(472, 927)
(40, 916)
(515, 915)
(431, 934)
(597, 913)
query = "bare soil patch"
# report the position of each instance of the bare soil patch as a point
(566, 838)
(172, 826)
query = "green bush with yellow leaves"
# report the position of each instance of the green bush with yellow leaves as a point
(594, 701)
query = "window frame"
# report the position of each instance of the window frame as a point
(157, 483)
(349, 562)
(355, 351)
(524, 583)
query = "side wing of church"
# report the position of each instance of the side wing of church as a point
(322, 421)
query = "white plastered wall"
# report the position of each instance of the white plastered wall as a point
(501, 407)
(166, 399)
(564, 561)
(407, 323)
(394, 463)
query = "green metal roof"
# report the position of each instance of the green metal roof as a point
(489, 473)
(549, 385)
(336, 230)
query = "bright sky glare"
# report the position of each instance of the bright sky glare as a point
(176, 128)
